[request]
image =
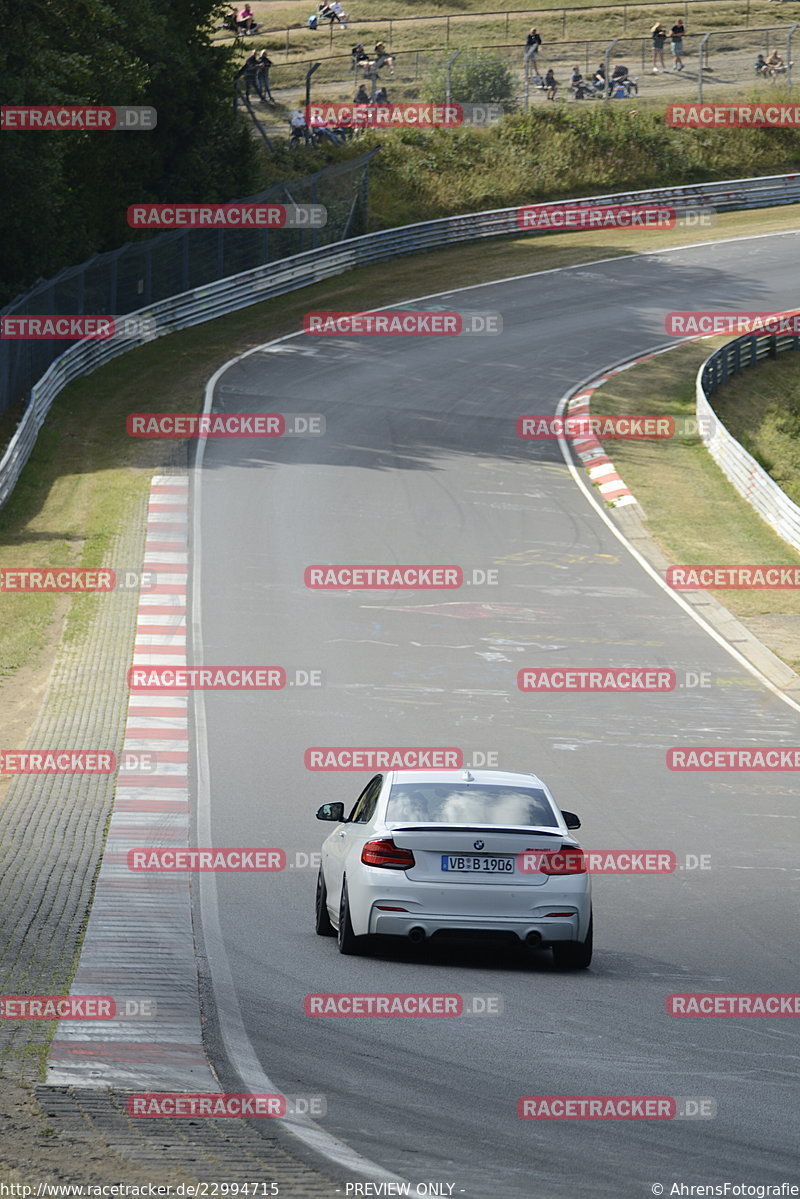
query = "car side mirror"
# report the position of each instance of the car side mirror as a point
(571, 819)
(331, 811)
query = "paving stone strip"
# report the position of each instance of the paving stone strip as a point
(138, 947)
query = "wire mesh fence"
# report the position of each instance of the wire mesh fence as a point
(143, 272)
(720, 60)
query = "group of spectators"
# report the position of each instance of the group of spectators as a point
(255, 71)
(241, 21)
(659, 35)
(770, 68)
(371, 65)
(331, 12)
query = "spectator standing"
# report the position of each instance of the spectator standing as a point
(532, 45)
(550, 84)
(676, 34)
(250, 71)
(659, 35)
(263, 65)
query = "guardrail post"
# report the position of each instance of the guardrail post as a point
(624, 18)
(607, 62)
(447, 31)
(700, 63)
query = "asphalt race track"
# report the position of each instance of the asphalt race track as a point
(420, 463)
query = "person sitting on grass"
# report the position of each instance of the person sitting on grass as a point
(247, 21)
(381, 97)
(775, 65)
(362, 96)
(383, 58)
(359, 56)
(550, 85)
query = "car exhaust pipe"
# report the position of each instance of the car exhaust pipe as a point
(416, 935)
(534, 940)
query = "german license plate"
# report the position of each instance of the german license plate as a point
(477, 864)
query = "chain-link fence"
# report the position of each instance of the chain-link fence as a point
(142, 272)
(728, 58)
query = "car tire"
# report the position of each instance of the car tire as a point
(346, 939)
(575, 955)
(322, 922)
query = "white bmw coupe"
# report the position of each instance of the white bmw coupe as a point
(477, 854)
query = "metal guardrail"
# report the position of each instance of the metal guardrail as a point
(235, 292)
(740, 468)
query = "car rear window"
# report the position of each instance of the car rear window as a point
(451, 803)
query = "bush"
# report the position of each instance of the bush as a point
(475, 78)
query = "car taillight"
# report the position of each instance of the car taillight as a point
(388, 855)
(562, 861)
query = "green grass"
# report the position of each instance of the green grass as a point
(692, 511)
(761, 408)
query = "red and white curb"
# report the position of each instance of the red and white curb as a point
(139, 945)
(600, 468)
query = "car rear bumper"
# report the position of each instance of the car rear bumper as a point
(401, 924)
